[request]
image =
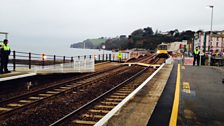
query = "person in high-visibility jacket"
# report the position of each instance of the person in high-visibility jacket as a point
(119, 56)
(5, 52)
(216, 54)
(196, 56)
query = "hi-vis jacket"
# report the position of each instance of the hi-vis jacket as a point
(5, 49)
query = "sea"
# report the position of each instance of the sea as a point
(62, 51)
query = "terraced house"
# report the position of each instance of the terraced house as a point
(214, 41)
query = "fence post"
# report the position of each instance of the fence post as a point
(72, 59)
(29, 60)
(109, 57)
(43, 55)
(63, 59)
(14, 61)
(54, 59)
(94, 56)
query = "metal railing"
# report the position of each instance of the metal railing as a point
(29, 60)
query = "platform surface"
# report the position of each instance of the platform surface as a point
(165, 104)
(14, 75)
(138, 111)
(202, 96)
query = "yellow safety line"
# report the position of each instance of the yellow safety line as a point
(174, 114)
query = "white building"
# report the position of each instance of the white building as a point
(214, 41)
(175, 46)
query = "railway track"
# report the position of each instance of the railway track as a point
(7, 107)
(151, 59)
(93, 111)
(140, 59)
(75, 85)
(57, 107)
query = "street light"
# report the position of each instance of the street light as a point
(210, 41)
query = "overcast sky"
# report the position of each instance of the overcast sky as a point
(38, 22)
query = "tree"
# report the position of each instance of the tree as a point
(137, 34)
(148, 31)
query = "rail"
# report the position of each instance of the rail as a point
(102, 121)
(97, 99)
(51, 88)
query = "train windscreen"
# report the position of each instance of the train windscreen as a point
(162, 47)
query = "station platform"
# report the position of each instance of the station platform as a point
(200, 99)
(14, 75)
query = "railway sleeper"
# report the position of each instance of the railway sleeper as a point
(114, 99)
(15, 105)
(99, 111)
(69, 85)
(125, 89)
(59, 89)
(98, 116)
(26, 101)
(104, 106)
(45, 95)
(117, 96)
(36, 98)
(52, 92)
(82, 122)
(121, 94)
(122, 91)
(110, 103)
(65, 87)
(5, 109)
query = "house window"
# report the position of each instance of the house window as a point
(217, 44)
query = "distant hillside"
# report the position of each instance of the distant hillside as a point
(89, 43)
(143, 38)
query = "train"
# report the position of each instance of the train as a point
(162, 51)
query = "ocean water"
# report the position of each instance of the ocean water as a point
(61, 51)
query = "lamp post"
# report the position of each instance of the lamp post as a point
(210, 38)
